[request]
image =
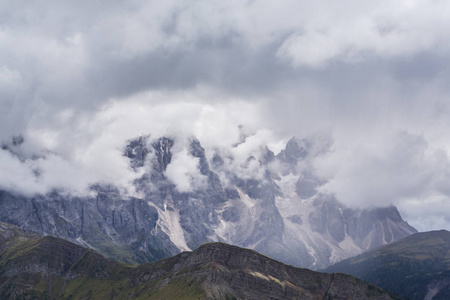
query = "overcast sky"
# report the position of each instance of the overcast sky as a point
(78, 78)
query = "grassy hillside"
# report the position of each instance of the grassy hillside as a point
(412, 267)
(33, 267)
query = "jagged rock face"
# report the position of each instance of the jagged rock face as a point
(306, 186)
(100, 222)
(294, 151)
(280, 214)
(137, 152)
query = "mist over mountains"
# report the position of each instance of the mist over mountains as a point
(77, 81)
(310, 131)
(185, 195)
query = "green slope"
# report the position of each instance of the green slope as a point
(32, 267)
(410, 267)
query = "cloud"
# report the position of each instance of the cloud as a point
(402, 166)
(79, 149)
(384, 29)
(41, 175)
(428, 214)
(246, 157)
(79, 79)
(183, 171)
(15, 174)
(80, 56)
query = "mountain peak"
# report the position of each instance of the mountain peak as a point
(294, 151)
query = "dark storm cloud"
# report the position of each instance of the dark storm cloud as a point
(82, 54)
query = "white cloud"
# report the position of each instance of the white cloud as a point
(426, 214)
(311, 49)
(253, 148)
(80, 149)
(355, 30)
(79, 79)
(16, 175)
(183, 171)
(395, 169)
(41, 175)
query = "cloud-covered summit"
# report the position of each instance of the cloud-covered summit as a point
(77, 79)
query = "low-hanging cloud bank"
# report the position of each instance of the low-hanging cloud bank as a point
(79, 79)
(91, 150)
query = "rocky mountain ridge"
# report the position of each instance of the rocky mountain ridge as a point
(266, 202)
(32, 267)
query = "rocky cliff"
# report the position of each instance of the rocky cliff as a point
(268, 203)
